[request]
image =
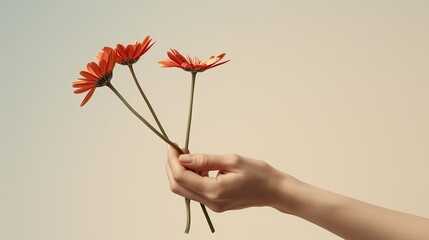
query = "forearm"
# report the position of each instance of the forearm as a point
(349, 218)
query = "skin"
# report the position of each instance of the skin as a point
(243, 182)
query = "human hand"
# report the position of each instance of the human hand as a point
(240, 182)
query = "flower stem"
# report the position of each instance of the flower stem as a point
(188, 131)
(191, 103)
(206, 214)
(144, 120)
(188, 215)
(165, 139)
(147, 101)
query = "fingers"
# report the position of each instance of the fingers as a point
(207, 162)
(188, 179)
(180, 190)
(172, 152)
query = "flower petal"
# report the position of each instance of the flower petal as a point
(168, 63)
(99, 55)
(174, 58)
(146, 44)
(212, 61)
(83, 89)
(95, 69)
(192, 64)
(103, 66)
(147, 48)
(130, 52)
(120, 49)
(88, 80)
(87, 97)
(111, 62)
(146, 41)
(88, 75)
(137, 51)
(218, 64)
(221, 55)
(179, 56)
(80, 84)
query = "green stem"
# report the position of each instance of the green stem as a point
(206, 214)
(147, 101)
(188, 215)
(187, 201)
(188, 131)
(191, 103)
(144, 120)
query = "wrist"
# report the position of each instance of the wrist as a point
(286, 190)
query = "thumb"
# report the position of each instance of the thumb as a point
(205, 162)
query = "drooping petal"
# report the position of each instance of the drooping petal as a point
(87, 97)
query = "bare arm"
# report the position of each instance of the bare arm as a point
(243, 182)
(350, 218)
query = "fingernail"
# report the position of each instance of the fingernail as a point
(185, 158)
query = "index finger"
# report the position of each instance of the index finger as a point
(187, 178)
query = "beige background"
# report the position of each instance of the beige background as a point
(333, 92)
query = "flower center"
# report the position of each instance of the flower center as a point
(104, 79)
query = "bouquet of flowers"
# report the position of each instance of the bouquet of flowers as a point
(100, 74)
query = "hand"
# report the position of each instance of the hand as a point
(240, 182)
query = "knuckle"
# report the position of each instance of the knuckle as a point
(175, 188)
(214, 194)
(205, 161)
(178, 179)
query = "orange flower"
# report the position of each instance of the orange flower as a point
(190, 64)
(98, 75)
(130, 54)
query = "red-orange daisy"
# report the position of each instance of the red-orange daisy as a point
(98, 75)
(191, 64)
(131, 53)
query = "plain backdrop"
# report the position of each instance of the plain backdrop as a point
(333, 92)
